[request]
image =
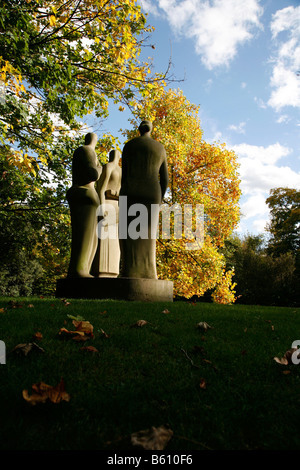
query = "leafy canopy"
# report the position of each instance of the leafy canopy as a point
(61, 60)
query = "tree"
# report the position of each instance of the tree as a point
(284, 226)
(284, 229)
(60, 61)
(260, 278)
(200, 173)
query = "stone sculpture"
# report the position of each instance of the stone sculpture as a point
(107, 259)
(83, 202)
(144, 181)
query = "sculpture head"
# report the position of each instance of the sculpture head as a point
(145, 127)
(114, 155)
(90, 138)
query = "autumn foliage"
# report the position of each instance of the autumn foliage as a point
(200, 173)
(61, 62)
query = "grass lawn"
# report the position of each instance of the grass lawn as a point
(217, 389)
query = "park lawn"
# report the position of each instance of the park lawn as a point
(216, 389)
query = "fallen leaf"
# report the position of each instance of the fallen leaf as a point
(287, 358)
(75, 335)
(153, 438)
(104, 334)
(26, 348)
(89, 348)
(203, 325)
(43, 392)
(37, 336)
(2, 310)
(70, 332)
(286, 372)
(30, 305)
(140, 323)
(83, 331)
(103, 313)
(84, 326)
(202, 384)
(166, 311)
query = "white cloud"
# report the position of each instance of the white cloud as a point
(240, 128)
(259, 154)
(284, 118)
(259, 172)
(260, 103)
(148, 6)
(254, 205)
(285, 83)
(218, 27)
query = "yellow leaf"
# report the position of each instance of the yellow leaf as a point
(43, 392)
(52, 20)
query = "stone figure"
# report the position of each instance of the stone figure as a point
(83, 202)
(107, 258)
(144, 181)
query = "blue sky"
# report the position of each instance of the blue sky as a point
(239, 60)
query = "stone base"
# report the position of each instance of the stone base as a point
(121, 288)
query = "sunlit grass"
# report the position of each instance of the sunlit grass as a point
(151, 375)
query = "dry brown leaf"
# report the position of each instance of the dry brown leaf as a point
(281, 360)
(140, 323)
(202, 384)
(83, 331)
(30, 305)
(204, 326)
(43, 392)
(89, 348)
(207, 361)
(104, 334)
(83, 326)
(153, 438)
(26, 348)
(166, 311)
(287, 358)
(65, 332)
(2, 310)
(37, 336)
